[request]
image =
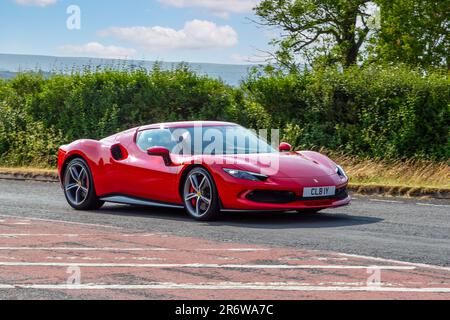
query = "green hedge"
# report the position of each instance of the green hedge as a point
(376, 112)
(382, 112)
(36, 111)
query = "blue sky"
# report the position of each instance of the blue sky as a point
(217, 31)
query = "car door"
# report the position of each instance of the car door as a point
(143, 176)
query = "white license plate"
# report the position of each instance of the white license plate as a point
(319, 192)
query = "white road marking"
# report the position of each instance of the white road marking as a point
(234, 249)
(418, 265)
(140, 258)
(386, 201)
(403, 202)
(66, 235)
(74, 258)
(81, 249)
(199, 265)
(433, 205)
(8, 258)
(123, 249)
(15, 222)
(140, 235)
(6, 235)
(223, 286)
(60, 221)
(418, 203)
(311, 258)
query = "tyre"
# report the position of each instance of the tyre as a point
(79, 186)
(200, 196)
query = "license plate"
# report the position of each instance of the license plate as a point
(319, 192)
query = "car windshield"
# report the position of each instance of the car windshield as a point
(211, 140)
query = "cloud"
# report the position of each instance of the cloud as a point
(195, 34)
(97, 50)
(36, 3)
(221, 8)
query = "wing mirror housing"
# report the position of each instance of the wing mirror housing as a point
(161, 152)
(285, 147)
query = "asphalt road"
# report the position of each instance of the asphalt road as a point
(409, 230)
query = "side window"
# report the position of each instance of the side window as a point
(155, 138)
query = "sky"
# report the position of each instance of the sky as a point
(214, 31)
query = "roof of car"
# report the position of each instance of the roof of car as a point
(186, 124)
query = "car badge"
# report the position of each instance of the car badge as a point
(316, 181)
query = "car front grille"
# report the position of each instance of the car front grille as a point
(271, 196)
(276, 196)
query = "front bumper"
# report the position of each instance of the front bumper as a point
(282, 194)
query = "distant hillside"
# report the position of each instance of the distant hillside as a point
(11, 75)
(7, 74)
(12, 63)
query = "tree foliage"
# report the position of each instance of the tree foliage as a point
(318, 31)
(326, 32)
(415, 33)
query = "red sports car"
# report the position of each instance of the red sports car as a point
(204, 167)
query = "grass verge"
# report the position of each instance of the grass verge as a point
(408, 173)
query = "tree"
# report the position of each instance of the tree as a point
(317, 31)
(414, 32)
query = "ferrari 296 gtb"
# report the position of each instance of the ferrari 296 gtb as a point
(204, 167)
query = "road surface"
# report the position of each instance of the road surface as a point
(376, 248)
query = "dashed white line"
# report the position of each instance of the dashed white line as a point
(199, 265)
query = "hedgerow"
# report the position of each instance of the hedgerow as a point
(382, 112)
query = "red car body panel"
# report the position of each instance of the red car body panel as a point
(148, 177)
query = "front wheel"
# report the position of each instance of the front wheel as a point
(200, 195)
(79, 186)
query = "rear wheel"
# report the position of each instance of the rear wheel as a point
(200, 195)
(79, 187)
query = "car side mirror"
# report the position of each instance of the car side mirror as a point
(161, 152)
(285, 147)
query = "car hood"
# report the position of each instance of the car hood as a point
(278, 165)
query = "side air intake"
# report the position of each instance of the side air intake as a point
(116, 152)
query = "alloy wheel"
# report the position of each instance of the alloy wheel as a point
(198, 193)
(76, 183)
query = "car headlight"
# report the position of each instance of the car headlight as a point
(340, 171)
(246, 175)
